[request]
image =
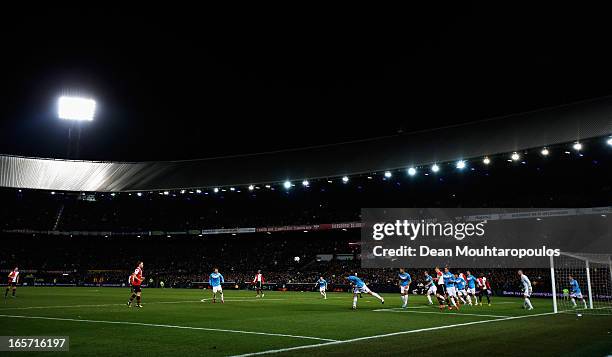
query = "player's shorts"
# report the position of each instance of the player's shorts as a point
(404, 289)
(136, 288)
(258, 284)
(217, 289)
(462, 292)
(451, 291)
(322, 289)
(526, 293)
(576, 295)
(12, 283)
(441, 289)
(360, 290)
(432, 290)
(471, 291)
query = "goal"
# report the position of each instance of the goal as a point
(593, 275)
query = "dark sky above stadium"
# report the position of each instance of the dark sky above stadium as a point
(207, 82)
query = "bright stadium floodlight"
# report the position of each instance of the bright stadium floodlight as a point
(305, 183)
(486, 160)
(609, 141)
(251, 187)
(435, 168)
(76, 108)
(388, 174)
(412, 171)
(460, 164)
(515, 156)
(544, 152)
(577, 146)
(345, 179)
(287, 184)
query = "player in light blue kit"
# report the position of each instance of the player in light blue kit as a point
(360, 287)
(527, 290)
(215, 280)
(575, 292)
(460, 286)
(449, 286)
(322, 287)
(404, 284)
(471, 290)
(431, 287)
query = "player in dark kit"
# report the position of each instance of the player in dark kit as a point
(13, 279)
(136, 280)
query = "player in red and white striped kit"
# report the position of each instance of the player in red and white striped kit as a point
(258, 281)
(13, 279)
(135, 281)
(484, 286)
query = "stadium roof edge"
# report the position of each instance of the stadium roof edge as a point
(544, 127)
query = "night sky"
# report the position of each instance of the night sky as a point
(208, 83)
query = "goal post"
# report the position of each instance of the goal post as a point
(582, 282)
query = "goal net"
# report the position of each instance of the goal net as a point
(582, 283)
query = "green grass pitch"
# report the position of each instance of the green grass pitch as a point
(177, 322)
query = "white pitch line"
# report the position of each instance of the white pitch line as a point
(280, 350)
(168, 326)
(442, 313)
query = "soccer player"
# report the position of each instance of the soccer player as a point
(404, 284)
(484, 286)
(13, 279)
(322, 287)
(527, 289)
(431, 287)
(449, 286)
(361, 287)
(460, 286)
(215, 280)
(471, 283)
(258, 281)
(576, 293)
(136, 280)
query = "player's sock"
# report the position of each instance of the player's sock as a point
(488, 300)
(429, 299)
(585, 304)
(137, 300)
(377, 296)
(354, 301)
(6, 292)
(574, 302)
(14, 291)
(222, 301)
(324, 295)
(462, 300)
(469, 300)
(475, 299)
(528, 303)
(453, 301)
(132, 297)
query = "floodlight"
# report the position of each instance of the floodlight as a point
(515, 156)
(216, 189)
(75, 108)
(609, 141)
(435, 168)
(287, 184)
(345, 179)
(388, 174)
(460, 164)
(412, 171)
(486, 160)
(577, 146)
(251, 187)
(545, 152)
(305, 183)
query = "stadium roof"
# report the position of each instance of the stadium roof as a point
(536, 129)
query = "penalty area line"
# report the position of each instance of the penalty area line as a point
(317, 345)
(168, 326)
